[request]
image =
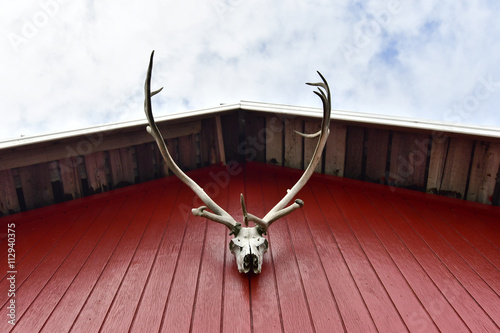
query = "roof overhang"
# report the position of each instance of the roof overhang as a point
(350, 117)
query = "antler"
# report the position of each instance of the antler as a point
(280, 210)
(218, 214)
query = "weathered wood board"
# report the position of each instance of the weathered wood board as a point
(293, 143)
(274, 140)
(354, 152)
(376, 150)
(335, 153)
(9, 202)
(409, 159)
(484, 172)
(36, 185)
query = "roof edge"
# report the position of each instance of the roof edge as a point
(375, 119)
(281, 109)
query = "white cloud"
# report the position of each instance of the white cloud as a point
(70, 65)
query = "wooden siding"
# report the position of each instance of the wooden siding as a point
(450, 164)
(434, 162)
(358, 257)
(99, 162)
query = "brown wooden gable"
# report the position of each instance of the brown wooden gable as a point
(454, 161)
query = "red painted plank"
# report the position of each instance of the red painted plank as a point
(450, 288)
(435, 304)
(295, 311)
(396, 286)
(470, 233)
(122, 311)
(154, 297)
(37, 280)
(70, 305)
(180, 300)
(323, 308)
(468, 286)
(207, 309)
(399, 289)
(485, 269)
(487, 226)
(52, 292)
(478, 290)
(236, 314)
(353, 313)
(46, 240)
(31, 231)
(328, 264)
(183, 292)
(374, 294)
(97, 305)
(266, 304)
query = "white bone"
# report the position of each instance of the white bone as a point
(249, 244)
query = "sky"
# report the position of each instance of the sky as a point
(68, 65)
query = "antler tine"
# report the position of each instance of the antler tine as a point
(279, 210)
(219, 215)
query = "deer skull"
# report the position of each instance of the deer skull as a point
(248, 244)
(249, 247)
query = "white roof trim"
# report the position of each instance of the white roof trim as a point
(21, 141)
(375, 119)
(347, 116)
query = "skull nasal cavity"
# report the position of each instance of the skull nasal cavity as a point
(247, 260)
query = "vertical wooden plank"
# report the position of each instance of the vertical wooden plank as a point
(274, 140)
(155, 297)
(457, 165)
(237, 314)
(255, 133)
(115, 165)
(323, 309)
(122, 166)
(145, 161)
(496, 192)
(95, 164)
(293, 143)
(36, 185)
(208, 149)
(403, 283)
(426, 274)
(9, 202)
(469, 295)
(439, 150)
(70, 177)
(409, 154)
(187, 152)
(220, 141)
(230, 127)
(209, 292)
(377, 147)
(484, 172)
(311, 126)
(354, 152)
(287, 297)
(55, 175)
(133, 212)
(173, 149)
(336, 150)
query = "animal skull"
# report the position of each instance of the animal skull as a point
(249, 247)
(249, 244)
